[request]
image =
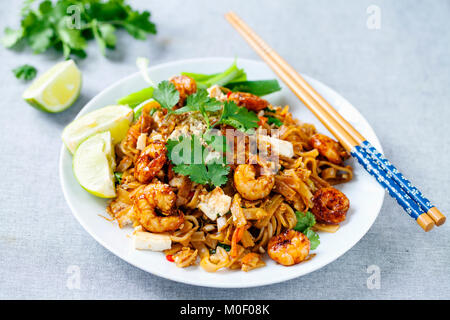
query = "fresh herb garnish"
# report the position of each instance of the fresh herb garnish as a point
(274, 120)
(67, 25)
(167, 95)
(238, 117)
(201, 102)
(258, 87)
(25, 72)
(305, 221)
(232, 74)
(313, 237)
(136, 98)
(192, 159)
(118, 176)
(225, 246)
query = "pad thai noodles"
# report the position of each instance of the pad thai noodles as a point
(218, 178)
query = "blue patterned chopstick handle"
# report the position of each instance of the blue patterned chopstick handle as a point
(406, 185)
(386, 181)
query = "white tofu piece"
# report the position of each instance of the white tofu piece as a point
(143, 240)
(215, 203)
(215, 92)
(282, 147)
(141, 142)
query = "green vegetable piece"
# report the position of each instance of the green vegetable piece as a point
(313, 238)
(201, 102)
(204, 81)
(259, 87)
(304, 220)
(189, 155)
(225, 246)
(238, 117)
(118, 176)
(25, 72)
(67, 25)
(274, 120)
(167, 95)
(136, 98)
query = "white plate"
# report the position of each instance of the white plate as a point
(366, 196)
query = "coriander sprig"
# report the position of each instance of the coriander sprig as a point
(67, 25)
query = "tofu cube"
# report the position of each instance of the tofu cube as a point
(215, 203)
(143, 240)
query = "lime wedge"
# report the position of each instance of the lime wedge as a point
(57, 89)
(115, 119)
(94, 164)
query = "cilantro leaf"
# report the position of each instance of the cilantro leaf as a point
(40, 36)
(304, 223)
(118, 176)
(139, 24)
(167, 95)
(225, 246)
(313, 238)
(304, 220)
(67, 25)
(25, 72)
(274, 120)
(215, 141)
(238, 117)
(189, 155)
(201, 102)
(11, 37)
(218, 173)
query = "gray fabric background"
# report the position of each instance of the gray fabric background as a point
(397, 76)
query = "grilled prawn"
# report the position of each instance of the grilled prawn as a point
(150, 161)
(153, 197)
(328, 148)
(248, 100)
(288, 248)
(249, 186)
(185, 86)
(330, 205)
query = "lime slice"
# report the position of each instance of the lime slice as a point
(116, 119)
(94, 164)
(57, 89)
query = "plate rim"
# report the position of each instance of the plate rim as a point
(186, 280)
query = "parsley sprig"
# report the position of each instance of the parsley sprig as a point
(238, 117)
(201, 102)
(167, 95)
(191, 158)
(67, 25)
(305, 221)
(25, 72)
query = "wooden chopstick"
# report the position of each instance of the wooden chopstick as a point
(387, 175)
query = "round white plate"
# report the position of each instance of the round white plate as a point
(366, 196)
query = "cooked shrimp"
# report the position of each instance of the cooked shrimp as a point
(330, 205)
(288, 248)
(142, 125)
(328, 148)
(157, 196)
(185, 86)
(248, 100)
(249, 186)
(150, 161)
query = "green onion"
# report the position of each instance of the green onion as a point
(118, 176)
(136, 98)
(274, 120)
(225, 246)
(204, 81)
(258, 87)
